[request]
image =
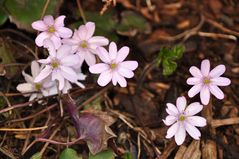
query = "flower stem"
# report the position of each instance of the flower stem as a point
(71, 107)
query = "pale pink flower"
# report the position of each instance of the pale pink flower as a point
(59, 65)
(114, 67)
(36, 90)
(84, 43)
(51, 29)
(182, 119)
(206, 81)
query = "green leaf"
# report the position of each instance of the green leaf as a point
(3, 16)
(107, 154)
(132, 23)
(37, 156)
(176, 52)
(24, 12)
(69, 153)
(105, 24)
(127, 155)
(169, 67)
(168, 58)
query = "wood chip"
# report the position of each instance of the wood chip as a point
(222, 122)
(209, 150)
(193, 151)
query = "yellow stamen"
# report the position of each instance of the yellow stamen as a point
(38, 86)
(206, 81)
(182, 118)
(54, 63)
(83, 44)
(51, 29)
(113, 66)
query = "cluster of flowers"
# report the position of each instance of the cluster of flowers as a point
(62, 67)
(182, 117)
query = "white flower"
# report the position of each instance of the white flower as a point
(84, 43)
(37, 90)
(182, 119)
(113, 68)
(206, 81)
(59, 65)
(51, 29)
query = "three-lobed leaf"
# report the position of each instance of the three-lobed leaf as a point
(168, 57)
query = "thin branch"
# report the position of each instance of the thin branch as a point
(23, 129)
(81, 10)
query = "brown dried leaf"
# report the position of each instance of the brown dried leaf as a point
(95, 130)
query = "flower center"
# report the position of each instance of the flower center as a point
(55, 63)
(206, 80)
(113, 66)
(38, 86)
(181, 118)
(51, 29)
(83, 44)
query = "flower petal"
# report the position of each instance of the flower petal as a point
(43, 74)
(59, 21)
(131, 65)
(193, 81)
(90, 26)
(195, 72)
(194, 90)
(64, 32)
(56, 75)
(70, 60)
(49, 20)
(41, 37)
(98, 68)
(112, 51)
(39, 25)
(68, 73)
(97, 41)
(125, 72)
(197, 121)
(217, 92)
(122, 54)
(120, 79)
(25, 87)
(171, 109)
(82, 31)
(33, 96)
(205, 95)
(63, 51)
(35, 69)
(193, 109)
(221, 81)
(172, 130)
(67, 86)
(56, 41)
(181, 104)
(170, 120)
(104, 78)
(89, 58)
(180, 134)
(205, 67)
(217, 71)
(27, 77)
(103, 54)
(192, 131)
(48, 43)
